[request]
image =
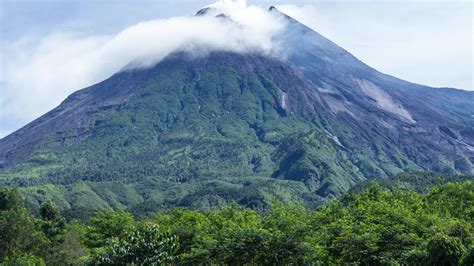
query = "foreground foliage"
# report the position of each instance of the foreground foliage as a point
(375, 226)
(143, 245)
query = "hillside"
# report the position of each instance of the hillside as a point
(202, 131)
(421, 182)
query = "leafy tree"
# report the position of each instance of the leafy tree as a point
(235, 229)
(194, 231)
(454, 199)
(24, 259)
(288, 227)
(53, 225)
(444, 250)
(19, 232)
(63, 247)
(375, 226)
(107, 225)
(145, 245)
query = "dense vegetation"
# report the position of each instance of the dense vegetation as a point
(203, 133)
(375, 226)
(244, 159)
(420, 182)
(194, 135)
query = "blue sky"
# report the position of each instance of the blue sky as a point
(424, 41)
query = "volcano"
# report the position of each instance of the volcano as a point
(200, 131)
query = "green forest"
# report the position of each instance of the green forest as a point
(373, 226)
(281, 149)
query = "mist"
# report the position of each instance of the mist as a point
(426, 43)
(39, 73)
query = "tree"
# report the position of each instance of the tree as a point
(24, 259)
(194, 231)
(145, 245)
(107, 225)
(444, 250)
(19, 232)
(53, 224)
(63, 246)
(288, 226)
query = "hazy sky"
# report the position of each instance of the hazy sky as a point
(44, 42)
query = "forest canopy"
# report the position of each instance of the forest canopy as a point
(374, 226)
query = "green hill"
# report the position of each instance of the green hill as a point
(204, 131)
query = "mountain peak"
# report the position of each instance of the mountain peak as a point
(273, 9)
(225, 4)
(221, 7)
(308, 119)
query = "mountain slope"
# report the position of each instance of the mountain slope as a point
(409, 114)
(207, 130)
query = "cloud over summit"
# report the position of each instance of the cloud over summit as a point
(423, 42)
(39, 73)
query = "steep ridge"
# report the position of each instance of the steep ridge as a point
(412, 115)
(200, 131)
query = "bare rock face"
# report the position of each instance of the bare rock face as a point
(310, 126)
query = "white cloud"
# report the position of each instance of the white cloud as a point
(427, 43)
(40, 73)
(423, 42)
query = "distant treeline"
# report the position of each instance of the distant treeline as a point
(420, 182)
(375, 226)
